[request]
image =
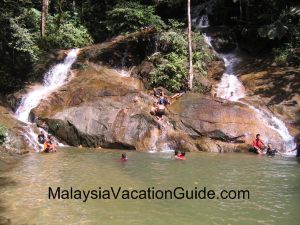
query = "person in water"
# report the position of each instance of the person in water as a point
(271, 151)
(124, 157)
(160, 111)
(297, 149)
(180, 155)
(41, 138)
(258, 145)
(49, 145)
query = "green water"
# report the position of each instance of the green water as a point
(274, 185)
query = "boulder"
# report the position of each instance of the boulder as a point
(220, 120)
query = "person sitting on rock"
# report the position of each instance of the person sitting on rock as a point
(271, 151)
(41, 138)
(153, 109)
(258, 145)
(160, 111)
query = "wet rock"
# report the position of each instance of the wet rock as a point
(216, 70)
(219, 120)
(223, 40)
(15, 140)
(277, 88)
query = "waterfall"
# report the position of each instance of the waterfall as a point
(53, 79)
(202, 22)
(159, 138)
(231, 88)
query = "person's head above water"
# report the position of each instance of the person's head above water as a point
(123, 156)
(258, 136)
(270, 146)
(176, 152)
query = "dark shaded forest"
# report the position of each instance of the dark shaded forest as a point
(32, 29)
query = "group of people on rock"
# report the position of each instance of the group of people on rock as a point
(48, 142)
(258, 147)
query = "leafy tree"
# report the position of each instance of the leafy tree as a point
(130, 16)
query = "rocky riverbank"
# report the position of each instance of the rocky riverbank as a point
(101, 106)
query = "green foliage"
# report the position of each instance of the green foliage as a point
(282, 26)
(170, 69)
(130, 16)
(287, 53)
(24, 38)
(169, 72)
(3, 131)
(67, 34)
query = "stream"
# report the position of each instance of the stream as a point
(273, 184)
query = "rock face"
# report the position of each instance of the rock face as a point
(15, 141)
(99, 107)
(218, 119)
(276, 87)
(223, 40)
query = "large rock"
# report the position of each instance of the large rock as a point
(15, 141)
(276, 87)
(217, 119)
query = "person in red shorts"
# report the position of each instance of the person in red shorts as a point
(258, 145)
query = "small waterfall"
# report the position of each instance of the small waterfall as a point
(124, 72)
(159, 142)
(53, 79)
(275, 124)
(202, 22)
(231, 88)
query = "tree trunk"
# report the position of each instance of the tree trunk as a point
(43, 17)
(241, 10)
(191, 75)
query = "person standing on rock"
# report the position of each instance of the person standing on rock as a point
(258, 145)
(160, 111)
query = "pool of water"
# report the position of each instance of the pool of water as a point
(273, 183)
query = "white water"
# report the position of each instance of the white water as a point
(203, 21)
(53, 79)
(231, 88)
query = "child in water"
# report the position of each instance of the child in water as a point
(180, 156)
(271, 151)
(124, 157)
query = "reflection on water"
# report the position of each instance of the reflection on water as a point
(274, 186)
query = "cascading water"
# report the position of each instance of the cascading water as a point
(231, 88)
(53, 79)
(202, 22)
